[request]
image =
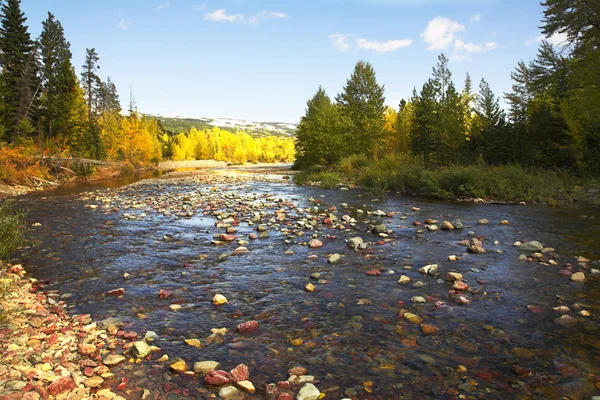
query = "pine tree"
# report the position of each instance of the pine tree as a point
(18, 82)
(317, 139)
(579, 19)
(423, 139)
(58, 79)
(91, 80)
(108, 98)
(491, 136)
(362, 109)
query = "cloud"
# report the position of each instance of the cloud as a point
(489, 46)
(383, 47)
(267, 14)
(221, 16)
(475, 17)
(440, 33)
(164, 5)
(340, 42)
(555, 40)
(123, 23)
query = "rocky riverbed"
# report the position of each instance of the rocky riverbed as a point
(244, 286)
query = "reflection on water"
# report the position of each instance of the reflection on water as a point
(348, 333)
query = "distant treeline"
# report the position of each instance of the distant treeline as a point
(553, 121)
(222, 145)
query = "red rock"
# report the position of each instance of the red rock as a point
(116, 292)
(374, 272)
(315, 244)
(327, 221)
(253, 236)
(285, 385)
(61, 385)
(247, 327)
(239, 373)
(216, 378)
(565, 272)
(535, 309)
(85, 348)
(88, 371)
(460, 286)
(285, 396)
(417, 223)
(163, 294)
(130, 335)
(227, 238)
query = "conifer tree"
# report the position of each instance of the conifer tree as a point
(91, 81)
(18, 82)
(362, 109)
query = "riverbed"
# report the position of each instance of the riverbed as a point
(360, 333)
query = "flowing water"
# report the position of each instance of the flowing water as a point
(349, 333)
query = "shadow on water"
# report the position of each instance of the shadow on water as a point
(348, 333)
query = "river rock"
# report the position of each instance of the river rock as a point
(93, 382)
(355, 242)
(216, 378)
(453, 276)
(483, 222)
(381, 228)
(239, 373)
(61, 385)
(140, 349)
(532, 246)
(309, 287)
(475, 249)
(308, 392)
(458, 224)
(404, 279)
(113, 359)
(447, 226)
(247, 327)
(431, 269)
(193, 342)
(246, 386)
(116, 292)
(315, 244)
(578, 277)
(334, 258)
(429, 329)
(219, 299)
(460, 286)
(179, 366)
(204, 367)
(231, 393)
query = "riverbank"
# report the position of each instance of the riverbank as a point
(477, 182)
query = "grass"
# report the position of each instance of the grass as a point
(12, 229)
(406, 175)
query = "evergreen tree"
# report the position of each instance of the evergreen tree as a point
(423, 140)
(491, 136)
(18, 82)
(362, 109)
(58, 79)
(91, 81)
(317, 137)
(108, 98)
(579, 19)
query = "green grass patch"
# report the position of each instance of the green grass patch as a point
(410, 176)
(12, 229)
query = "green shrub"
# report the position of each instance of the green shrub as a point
(12, 229)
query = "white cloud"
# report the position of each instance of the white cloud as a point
(340, 42)
(555, 40)
(124, 24)
(440, 33)
(383, 47)
(164, 5)
(476, 17)
(221, 16)
(268, 14)
(461, 46)
(489, 46)
(458, 57)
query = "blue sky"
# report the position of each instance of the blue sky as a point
(262, 60)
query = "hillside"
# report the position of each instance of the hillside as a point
(256, 129)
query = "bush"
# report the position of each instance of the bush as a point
(18, 164)
(12, 229)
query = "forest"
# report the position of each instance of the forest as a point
(445, 141)
(46, 109)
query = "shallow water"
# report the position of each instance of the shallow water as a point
(347, 333)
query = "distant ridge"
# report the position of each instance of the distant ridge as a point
(175, 125)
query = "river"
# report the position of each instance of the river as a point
(352, 333)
